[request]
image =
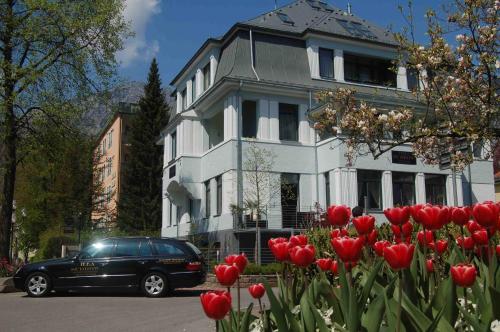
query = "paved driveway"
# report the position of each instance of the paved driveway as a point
(106, 312)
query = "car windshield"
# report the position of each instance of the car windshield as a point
(97, 250)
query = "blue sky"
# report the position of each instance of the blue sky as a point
(172, 30)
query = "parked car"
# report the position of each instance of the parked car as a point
(152, 265)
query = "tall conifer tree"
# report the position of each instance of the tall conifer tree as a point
(139, 208)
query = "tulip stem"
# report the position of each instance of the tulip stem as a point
(463, 242)
(238, 320)
(230, 311)
(400, 300)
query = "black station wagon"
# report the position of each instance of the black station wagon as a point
(153, 265)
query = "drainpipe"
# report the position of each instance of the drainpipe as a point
(251, 56)
(315, 153)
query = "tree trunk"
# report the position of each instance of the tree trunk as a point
(9, 139)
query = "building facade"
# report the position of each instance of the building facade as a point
(255, 86)
(110, 154)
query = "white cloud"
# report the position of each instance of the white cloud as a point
(138, 13)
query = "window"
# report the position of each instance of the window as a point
(290, 189)
(356, 29)
(370, 186)
(327, 188)
(193, 89)
(110, 165)
(104, 146)
(285, 18)
(100, 249)
(403, 188)
(145, 249)
(435, 189)
(126, 248)
(219, 194)
(206, 77)
(207, 199)
(108, 194)
(173, 146)
(362, 69)
(477, 149)
(167, 249)
(249, 118)
(412, 79)
(184, 100)
(110, 139)
(289, 122)
(326, 63)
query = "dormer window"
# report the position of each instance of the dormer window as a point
(326, 63)
(206, 77)
(356, 29)
(285, 18)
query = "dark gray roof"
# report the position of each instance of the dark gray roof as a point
(318, 16)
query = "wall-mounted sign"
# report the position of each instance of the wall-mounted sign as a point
(403, 157)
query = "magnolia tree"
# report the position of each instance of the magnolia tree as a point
(458, 92)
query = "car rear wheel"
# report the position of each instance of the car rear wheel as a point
(154, 284)
(37, 284)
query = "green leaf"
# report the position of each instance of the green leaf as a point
(276, 309)
(320, 322)
(372, 318)
(472, 321)
(307, 316)
(446, 297)
(245, 321)
(369, 283)
(419, 319)
(495, 297)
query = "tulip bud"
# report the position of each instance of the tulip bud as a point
(364, 224)
(486, 214)
(463, 275)
(399, 256)
(257, 291)
(397, 215)
(216, 304)
(240, 261)
(324, 263)
(338, 215)
(302, 256)
(226, 274)
(429, 265)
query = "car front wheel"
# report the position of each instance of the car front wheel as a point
(154, 284)
(37, 284)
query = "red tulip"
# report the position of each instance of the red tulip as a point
(441, 246)
(297, 240)
(473, 226)
(407, 230)
(429, 265)
(372, 237)
(486, 214)
(480, 237)
(335, 267)
(226, 274)
(240, 261)
(398, 215)
(429, 238)
(467, 242)
(348, 249)
(324, 264)
(216, 304)
(498, 249)
(273, 241)
(338, 215)
(280, 251)
(404, 240)
(434, 217)
(257, 291)
(414, 212)
(338, 232)
(399, 256)
(364, 224)
(463, 275)
(379, 247)
(460, 215)
(302, 256)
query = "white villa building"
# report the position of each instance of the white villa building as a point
(257, 84)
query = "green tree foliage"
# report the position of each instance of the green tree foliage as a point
(139, 208)
(54, 186)
(52, 54)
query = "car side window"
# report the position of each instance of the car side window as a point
(127, 248)
(99, 249)
(145, 249)
(167, 249)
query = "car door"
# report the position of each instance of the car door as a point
(172, 259)
(91, 263)
(122, 268)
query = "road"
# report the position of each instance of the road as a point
(181, 311)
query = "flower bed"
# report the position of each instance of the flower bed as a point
(434, 269)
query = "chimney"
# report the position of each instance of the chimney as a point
(349, 8)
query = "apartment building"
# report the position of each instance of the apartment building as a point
(256, 85)
(111, 154)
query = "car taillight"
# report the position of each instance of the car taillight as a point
(193, 266)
